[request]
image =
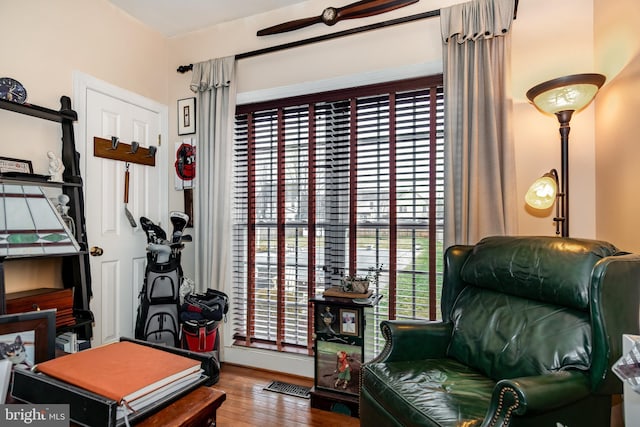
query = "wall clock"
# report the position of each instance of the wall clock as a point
(12, 90)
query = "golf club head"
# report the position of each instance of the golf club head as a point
(187, 238)
(161, 252)
(145, 223)
(179, 221)
(154, 232)
(159, 232)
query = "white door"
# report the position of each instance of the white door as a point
(118, 274)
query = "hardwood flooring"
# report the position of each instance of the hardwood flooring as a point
(247, 404)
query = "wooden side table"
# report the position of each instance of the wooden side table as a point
(339, 347)
(196, 409)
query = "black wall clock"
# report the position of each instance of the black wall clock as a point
(12, 90)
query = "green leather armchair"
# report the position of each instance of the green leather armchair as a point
(531, 327)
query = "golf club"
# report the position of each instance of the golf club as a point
(179, 221)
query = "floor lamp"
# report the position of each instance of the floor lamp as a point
(561, 97)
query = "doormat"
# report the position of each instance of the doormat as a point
(290, 389)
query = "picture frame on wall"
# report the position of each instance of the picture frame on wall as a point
(30, 336)
(186, 116)
(337, 366)
(348, 322)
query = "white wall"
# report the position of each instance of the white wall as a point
(618, 150)
(553, 39)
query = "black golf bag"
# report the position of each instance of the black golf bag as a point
(159, 303)
(158, 316)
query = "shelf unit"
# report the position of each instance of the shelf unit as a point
(75, 267)
(339, 327)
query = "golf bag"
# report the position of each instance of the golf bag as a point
(201, 314)
(158, 316)
(159, 303)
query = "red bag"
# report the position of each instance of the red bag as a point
(200, 335)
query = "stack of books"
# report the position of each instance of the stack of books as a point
(67, 342)
(112, 385)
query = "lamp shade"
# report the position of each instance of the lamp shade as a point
(569, 93)
(30, 225)
(542, 193)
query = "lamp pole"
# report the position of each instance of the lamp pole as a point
(564, 117)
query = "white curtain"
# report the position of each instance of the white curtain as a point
(213, 82)
(480, 181)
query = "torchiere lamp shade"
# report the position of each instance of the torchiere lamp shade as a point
(568, 93)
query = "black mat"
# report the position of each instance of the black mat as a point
(290, 389)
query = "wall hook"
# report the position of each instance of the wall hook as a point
(114, 143)
(134, 147)
(152, 151)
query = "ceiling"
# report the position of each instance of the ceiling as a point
(177, 17)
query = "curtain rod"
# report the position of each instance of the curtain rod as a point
(391, 22)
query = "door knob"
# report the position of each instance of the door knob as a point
(96, 251)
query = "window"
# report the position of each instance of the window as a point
(343, 182)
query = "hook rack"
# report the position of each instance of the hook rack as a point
(116, 150)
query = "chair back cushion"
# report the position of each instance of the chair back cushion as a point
(525, 308)
(504, 336)
(547, 269)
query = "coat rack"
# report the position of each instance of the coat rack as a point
(116, 150)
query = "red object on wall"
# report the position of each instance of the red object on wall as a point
(186, 162)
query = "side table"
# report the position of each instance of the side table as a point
(196, 409)
(339, 352)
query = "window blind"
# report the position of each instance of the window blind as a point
(341, 183)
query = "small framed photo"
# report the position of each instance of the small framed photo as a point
(348, 322)
(186, 116)
(8, 164)
(28, 338)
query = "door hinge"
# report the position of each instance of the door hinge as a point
(159, 140)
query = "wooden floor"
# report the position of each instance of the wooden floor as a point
(247, 404)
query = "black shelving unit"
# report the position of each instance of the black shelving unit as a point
(75, 268)
(339, 327)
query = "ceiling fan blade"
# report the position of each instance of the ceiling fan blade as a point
(366, 8)
(289, 26)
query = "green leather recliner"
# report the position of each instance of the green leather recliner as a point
(532, 326)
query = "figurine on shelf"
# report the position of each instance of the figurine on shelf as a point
(55, 167)
(61, 206)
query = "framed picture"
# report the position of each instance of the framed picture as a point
(348, 322)
(8, 164)
(338, 366)
(28, 338)
(186, 116)
(327, 321)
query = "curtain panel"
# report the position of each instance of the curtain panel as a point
(213, 83)
(480, 181)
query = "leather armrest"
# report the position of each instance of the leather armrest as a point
(535, 395)
(414, 340)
